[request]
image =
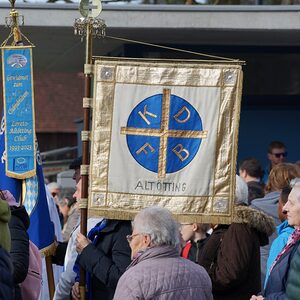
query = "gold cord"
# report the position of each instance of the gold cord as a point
(175, 49)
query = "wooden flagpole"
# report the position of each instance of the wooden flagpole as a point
(13, 21)
(88, 26)
(50, 276)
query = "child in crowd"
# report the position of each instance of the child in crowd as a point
(195, 235)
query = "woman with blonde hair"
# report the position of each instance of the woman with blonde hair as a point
(281, 175)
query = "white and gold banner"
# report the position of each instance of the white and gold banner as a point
(164, 133)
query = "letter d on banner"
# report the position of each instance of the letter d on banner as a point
(19, 111)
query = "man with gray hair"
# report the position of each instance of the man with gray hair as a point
(157, 270)
(283, 281)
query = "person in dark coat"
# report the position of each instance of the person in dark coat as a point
(284, 230)
(6, 281)
(5, 239)
(279, 177)
(276, 287)
(18, 225)
(231, 254)
(277, 281)
(105, 259)
(293, 284)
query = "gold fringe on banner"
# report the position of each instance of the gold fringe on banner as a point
(49, 250)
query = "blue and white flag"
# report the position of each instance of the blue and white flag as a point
(31, 192)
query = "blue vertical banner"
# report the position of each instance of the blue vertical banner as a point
(20, 162)
(18, 100)
(32, 192)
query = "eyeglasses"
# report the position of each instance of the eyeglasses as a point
(184, 224)
(281, 154)
(129, 238)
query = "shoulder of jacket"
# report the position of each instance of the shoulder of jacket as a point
(256, 219)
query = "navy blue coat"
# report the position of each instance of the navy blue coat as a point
(19, 252)
(108, 259)
(292, 286)
(6, 279)
(276, 284)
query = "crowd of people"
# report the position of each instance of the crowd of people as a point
(255, 257)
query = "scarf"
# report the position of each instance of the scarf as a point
(293, 238)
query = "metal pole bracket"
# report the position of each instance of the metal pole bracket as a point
(87, 102)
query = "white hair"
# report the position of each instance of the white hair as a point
(159, 224)
(53, 186)
(241, 191)
(295, 183)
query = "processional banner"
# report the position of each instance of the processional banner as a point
(18, 99)
(165, 133)
(20, 161)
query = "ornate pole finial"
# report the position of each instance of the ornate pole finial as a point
(13, 22)
(89, 24)
(12, 3)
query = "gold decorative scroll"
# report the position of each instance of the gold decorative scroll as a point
(145, 150)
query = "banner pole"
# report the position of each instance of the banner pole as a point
(50, 276)
(13, 21)
(85, 148)
(88, 26)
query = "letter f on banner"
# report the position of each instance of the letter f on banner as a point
(143, 149)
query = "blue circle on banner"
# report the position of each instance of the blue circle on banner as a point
(147, 116)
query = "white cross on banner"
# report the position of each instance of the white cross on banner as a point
(165, 133)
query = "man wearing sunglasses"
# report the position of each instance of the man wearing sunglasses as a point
(276, 154)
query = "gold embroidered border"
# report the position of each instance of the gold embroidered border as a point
(32, 172)
(215, 208)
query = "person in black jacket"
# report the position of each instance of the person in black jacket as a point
(195, 236)
(105, 256)
(19, 252)
(6, 282)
